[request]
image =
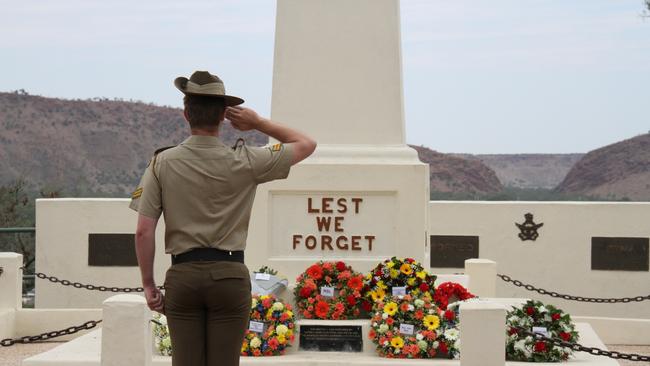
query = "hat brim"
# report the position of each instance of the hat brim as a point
(230, 100)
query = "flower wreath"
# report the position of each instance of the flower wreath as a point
(536, 317)
(450, 291)
(397, 272)
(161, 337)
(271, 327)
(329, 290)
(413, 327)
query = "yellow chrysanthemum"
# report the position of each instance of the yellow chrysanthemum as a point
(264, 297)
(381, 285)
(415, 292)
(390, 264)
(406, 269)
(427, 295)
(289, 313)
(378, 295)
(244, 346)
(397, 342)
(269, 314)
(368, 276)
(431, 322)
(390, 308)
(421, 275)
(282, 339)
(411, 281)
(394, 273)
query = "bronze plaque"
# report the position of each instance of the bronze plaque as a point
(331, 338)
(111, 250)
(619, 254)
(451, 251)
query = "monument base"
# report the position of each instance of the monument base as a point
(85, 351)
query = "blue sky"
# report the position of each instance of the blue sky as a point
(499, 76)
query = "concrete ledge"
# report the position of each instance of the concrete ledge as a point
(85, 351)
(36, 321)
(619, 330)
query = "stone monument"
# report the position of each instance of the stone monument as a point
(362, 197)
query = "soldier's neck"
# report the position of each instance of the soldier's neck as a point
(202, 132)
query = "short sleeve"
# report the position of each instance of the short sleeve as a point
(270, 162)
(147, 198)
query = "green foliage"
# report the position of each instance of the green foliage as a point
(268, 270)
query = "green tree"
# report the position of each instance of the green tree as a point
(16, 210)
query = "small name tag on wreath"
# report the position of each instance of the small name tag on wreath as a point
(541, 330)
(327, 291)
(407, 329)
(262, 276)
(399, 291)
(256, 327)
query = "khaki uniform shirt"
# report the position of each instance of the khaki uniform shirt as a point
(206, 189)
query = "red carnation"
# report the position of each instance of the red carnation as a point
(366, 305)
(315, 272)
(340, 266)
(443, 347)
(512, 331)
(556, 316)
(565, 336)
(540, 346)
(305, 292)
(355, 283)
(322, 308)
(450, 315)
(530, 310)
(424, 287)
(351, 300)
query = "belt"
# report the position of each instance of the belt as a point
(208, 254)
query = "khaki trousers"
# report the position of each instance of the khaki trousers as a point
(207, 305)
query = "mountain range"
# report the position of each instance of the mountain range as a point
(99, 147)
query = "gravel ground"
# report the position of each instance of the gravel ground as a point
(12, 356)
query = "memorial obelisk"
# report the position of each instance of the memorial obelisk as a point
(362, 197)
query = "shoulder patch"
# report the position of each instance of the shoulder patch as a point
(137, 193)
(276, 147)
(163, 149)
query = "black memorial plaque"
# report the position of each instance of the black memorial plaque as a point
(111, 250)
(451, 251)
(335, 338)
(619, 254)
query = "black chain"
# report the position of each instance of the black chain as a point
(89, 287)
(596, 300)
(48, 335)
(580, 348)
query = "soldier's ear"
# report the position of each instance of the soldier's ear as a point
(187, 118)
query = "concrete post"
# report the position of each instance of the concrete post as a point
(482, 277)
(482, 334)
(126, 331)
(11, 281)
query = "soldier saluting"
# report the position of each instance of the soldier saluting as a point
(205, 190)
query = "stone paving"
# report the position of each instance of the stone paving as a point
(12, 356)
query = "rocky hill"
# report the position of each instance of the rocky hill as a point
(455, 174)
(617, 171)
(87, 147)
(528, 171)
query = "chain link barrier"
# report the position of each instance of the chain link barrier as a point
(49, 335)
(595, 300)
(580, 348)
(54, 279)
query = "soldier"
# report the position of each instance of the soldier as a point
(205, 190)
